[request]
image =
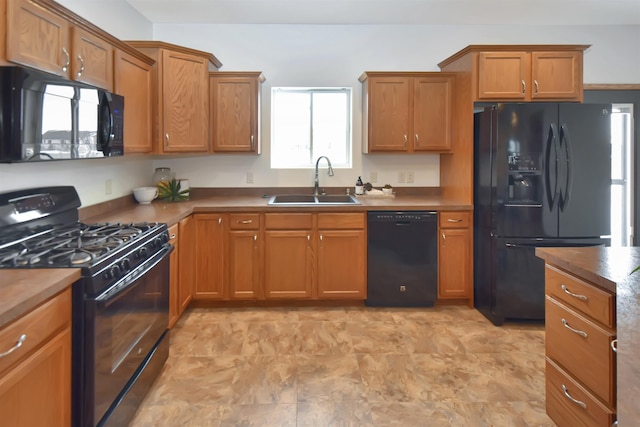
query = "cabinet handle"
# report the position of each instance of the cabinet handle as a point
(535, 93)
(614, 345)
(576, 331)
(173, 235)
(81, 65)
(417, 139)
(308, 238)
(443, 236)
(321, 237)
(405, 139)
(524, 87)
(252, 141)
(21, 340)
(65, 67)
(453, 220)
(568, 292)
(255, 237)
(166, 137)
(219, 220)
(576, 401)
(246, 221)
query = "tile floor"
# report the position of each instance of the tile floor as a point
(354, 366)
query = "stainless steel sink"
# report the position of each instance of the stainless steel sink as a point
(311, 200)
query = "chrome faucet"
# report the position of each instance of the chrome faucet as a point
(315, 177)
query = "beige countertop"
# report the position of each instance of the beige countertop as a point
(609, 268)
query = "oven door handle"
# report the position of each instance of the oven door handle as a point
(122, 285)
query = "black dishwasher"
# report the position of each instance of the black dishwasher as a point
(402, 265)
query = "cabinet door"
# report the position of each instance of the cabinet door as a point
(234, 112)
(174, 279)
(288, 264)
(209, 256)
(432, 113)
(342, 264)
(37, 392)
(134, 80)
(244, 264)
(556, 75)
(92, 59)
(454, 263)
(37, 38)
(185, 102)
(388, 119)
(504, 75)
(187, 261)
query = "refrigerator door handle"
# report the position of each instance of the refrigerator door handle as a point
(568, 184)
(551, 161)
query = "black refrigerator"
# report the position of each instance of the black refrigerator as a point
(542, 178)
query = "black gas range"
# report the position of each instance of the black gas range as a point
(120, 305)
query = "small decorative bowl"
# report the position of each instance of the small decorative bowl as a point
(144, 195)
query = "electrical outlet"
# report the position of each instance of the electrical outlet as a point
(402, 177)
(373, 177)
(249, 177)
(409, 176)
(108, 186)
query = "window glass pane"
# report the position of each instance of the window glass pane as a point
(308, 123)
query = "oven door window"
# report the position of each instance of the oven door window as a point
(127, 326)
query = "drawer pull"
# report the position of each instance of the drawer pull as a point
(581, 333)
(173, 235)
(576, 401)
(246, 221)
(453, 220)
(568, 292)
(614, 345)
(21, 340)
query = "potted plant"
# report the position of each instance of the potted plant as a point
(171, 191)
(387, 190)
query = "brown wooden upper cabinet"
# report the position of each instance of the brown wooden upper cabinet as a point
(521, 72)
(235, 111)
(180, 96)
(39, 37)
(407, 112)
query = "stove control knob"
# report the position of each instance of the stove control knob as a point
(157, 242)
(164, 237)
(115, 271)
(125, 264)
(142, 253)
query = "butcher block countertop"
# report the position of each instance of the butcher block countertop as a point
(610, 269)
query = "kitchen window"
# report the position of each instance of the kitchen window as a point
(307, 123)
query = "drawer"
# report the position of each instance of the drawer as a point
(564, 411)
(38, 326)
(585, 352)
(459, 219)
(292, 221)
(173, 234)
(590, 300)
(341, 221)
(244, 221)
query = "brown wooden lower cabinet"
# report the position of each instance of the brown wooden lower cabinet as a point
(209, 256)
(455, 256)
(581, 362)
(35, 379)
(244, 254)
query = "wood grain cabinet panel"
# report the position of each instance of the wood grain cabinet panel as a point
(210, 257)
(245, 256)
(187, 262)
(235, 111)
(342, 265)
(35, 379)
(288, 264)
(180, 96)
(174, 280)
(455, 256)
(530, 76)
(41, 38)
(581, 363)
(407, 112)
(133, 79)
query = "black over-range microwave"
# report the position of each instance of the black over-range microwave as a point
(47, 117)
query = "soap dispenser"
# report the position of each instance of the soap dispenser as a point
(359, 187)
